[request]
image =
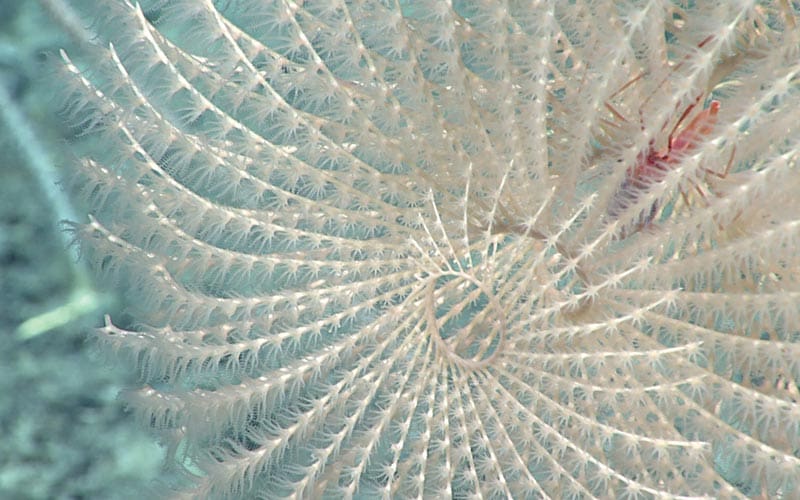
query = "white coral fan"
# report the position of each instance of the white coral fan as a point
(447, 249)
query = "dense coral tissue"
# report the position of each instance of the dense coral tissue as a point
(467, 249)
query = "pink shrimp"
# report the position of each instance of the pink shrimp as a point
(652, 166)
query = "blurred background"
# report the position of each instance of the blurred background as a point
(63, 432)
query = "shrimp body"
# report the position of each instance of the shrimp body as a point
(652, 166)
